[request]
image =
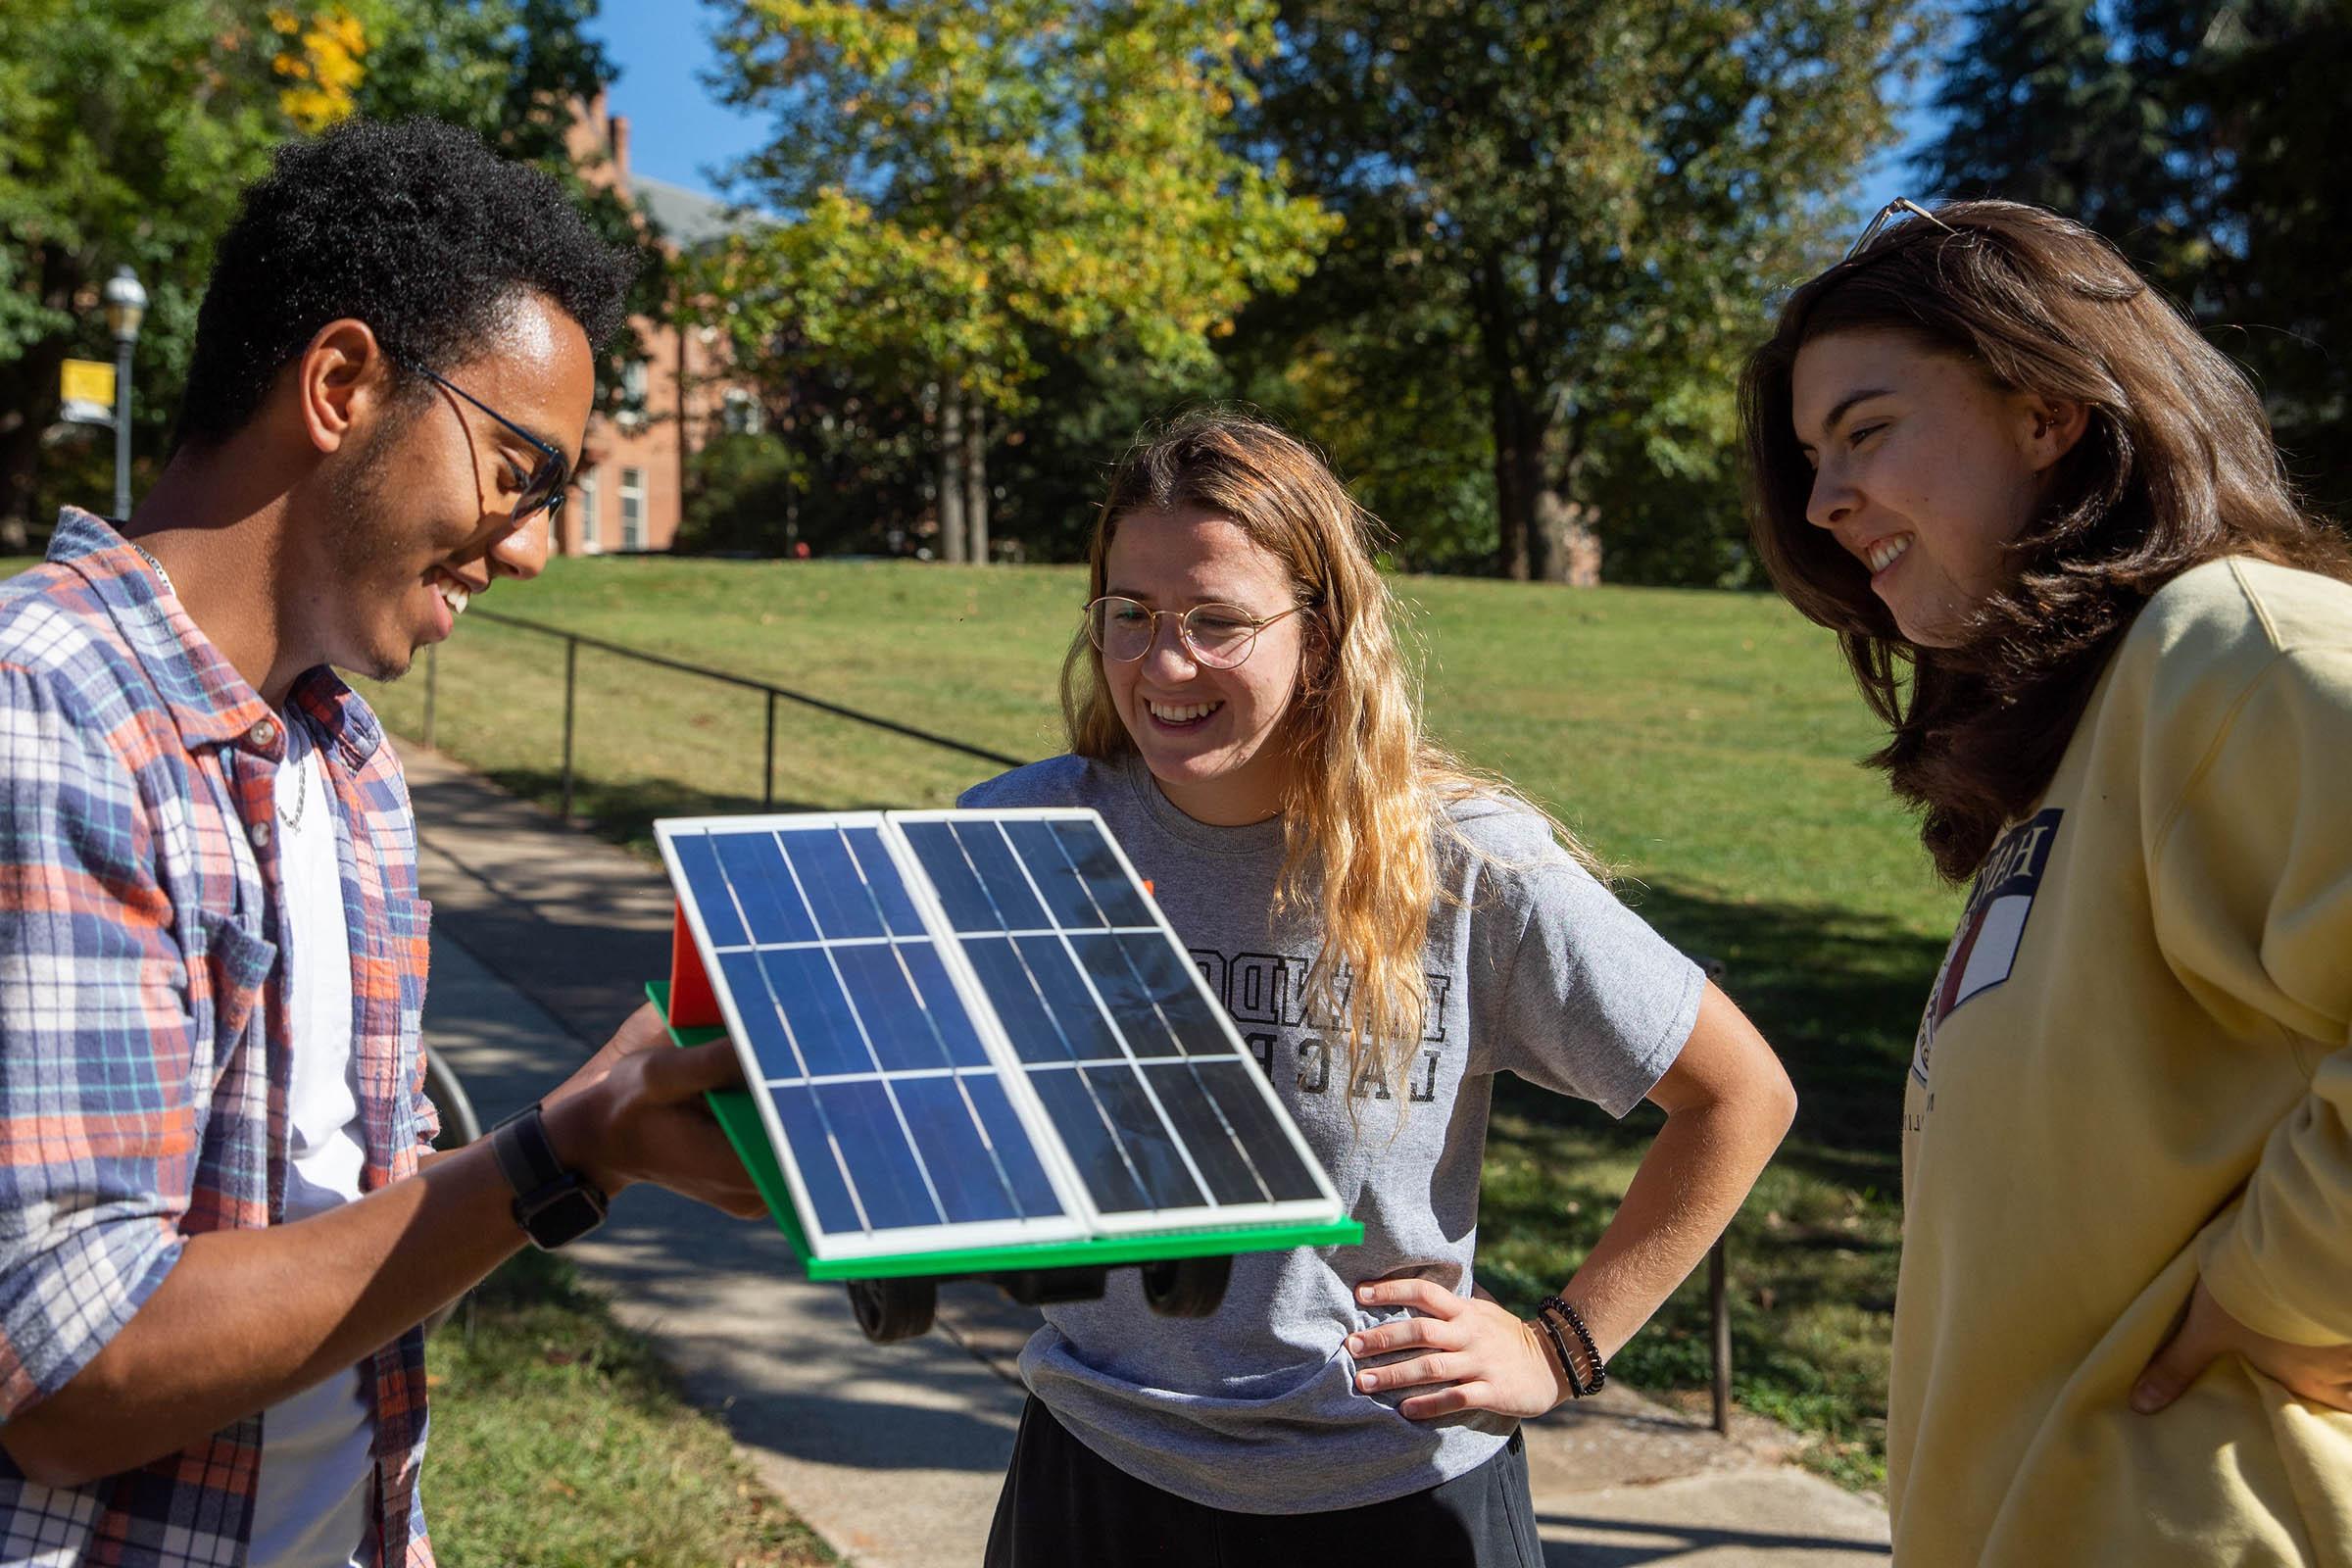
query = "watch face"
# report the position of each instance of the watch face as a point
(563, 1215)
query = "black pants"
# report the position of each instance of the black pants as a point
(1064, 1506)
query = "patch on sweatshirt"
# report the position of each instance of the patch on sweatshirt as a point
(1992, 927)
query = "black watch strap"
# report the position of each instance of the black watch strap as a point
(552, 1204)
(527, 1155)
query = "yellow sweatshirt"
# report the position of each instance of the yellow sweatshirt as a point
(2136, 1066)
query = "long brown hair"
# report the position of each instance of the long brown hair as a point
(1367, 789)
(2176, 468)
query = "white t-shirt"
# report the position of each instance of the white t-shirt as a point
(310, 1507)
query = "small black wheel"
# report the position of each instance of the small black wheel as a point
(1186, 1286)
(891, 1311)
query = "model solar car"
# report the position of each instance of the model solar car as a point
(974, 1047)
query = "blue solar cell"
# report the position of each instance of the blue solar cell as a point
(1028, 1022)
(883, 1168)
(764, 1025)
(1106, 881)
(814, 1152)
(957, 1037)
(1063, 988)
(962, 1169)
(1150, 1146)
(960, 894)
(1070, 1107)
(1105, 958)
(884, 881)
(762, 886)
(1227, 1168)
(894, 1019)
(707, 889)
(1186, 1009)
(1063, 889)
(1001, 876)
(845, 905)
(1234, 1086)
(1031, 1185)
(816, 1011)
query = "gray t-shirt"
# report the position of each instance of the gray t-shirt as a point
(1536, 970)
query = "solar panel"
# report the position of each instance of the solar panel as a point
(972, 1029)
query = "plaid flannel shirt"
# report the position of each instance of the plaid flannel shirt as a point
(143, 1037)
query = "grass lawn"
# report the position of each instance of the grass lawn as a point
(1703, 743)
(558, 1439)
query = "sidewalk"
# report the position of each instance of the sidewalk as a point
(542, 941)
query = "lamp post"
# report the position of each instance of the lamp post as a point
(126, 308)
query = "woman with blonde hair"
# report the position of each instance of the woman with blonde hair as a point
(1389, 931)
(2047, 520)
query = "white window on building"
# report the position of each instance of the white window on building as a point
(591, 498)
(632, 391)
(632, 509)
(739, 412)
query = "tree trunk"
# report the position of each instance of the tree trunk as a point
(951, 538)
(1518, 479)
(1547, 534)
(1569, 550)
(27, 406)
(975, 482)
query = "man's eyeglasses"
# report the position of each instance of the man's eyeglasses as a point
(1219, 636)
(1902, 207)
(546, 483)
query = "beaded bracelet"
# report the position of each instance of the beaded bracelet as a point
(1580, 1387)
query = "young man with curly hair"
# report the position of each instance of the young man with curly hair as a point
(220, 1218)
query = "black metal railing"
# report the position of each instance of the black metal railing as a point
(1718, 1309)
(574, 641)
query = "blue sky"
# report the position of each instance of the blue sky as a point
(679, 133)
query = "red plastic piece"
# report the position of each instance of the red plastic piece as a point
(693, 1005)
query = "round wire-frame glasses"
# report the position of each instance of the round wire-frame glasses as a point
(1219, 636)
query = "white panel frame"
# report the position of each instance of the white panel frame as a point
(1082, 1219)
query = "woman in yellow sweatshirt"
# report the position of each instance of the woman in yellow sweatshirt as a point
(2047, 520)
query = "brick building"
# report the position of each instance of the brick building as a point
(629, 493)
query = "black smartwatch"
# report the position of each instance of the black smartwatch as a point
(551, 1205)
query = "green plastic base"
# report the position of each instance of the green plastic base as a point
(739, 1118)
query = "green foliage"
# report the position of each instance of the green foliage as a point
(832, 491)
(1084, 406)
(1593, 195)
(133, 127)
(969, 192)
(559, 1439)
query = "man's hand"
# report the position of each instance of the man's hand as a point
(1486, 1358)
(2318, 1373)
(635, 1114)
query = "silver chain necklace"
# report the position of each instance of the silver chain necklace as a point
(157, 564)
(302, 796)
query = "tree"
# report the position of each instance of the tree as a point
(2274, 77)
(132, 127)
(2190, 132)
(1600, 190)
(964, 190)
(2043, 105)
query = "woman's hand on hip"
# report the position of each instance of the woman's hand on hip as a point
(1473, 1355)
(2318, 1373)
